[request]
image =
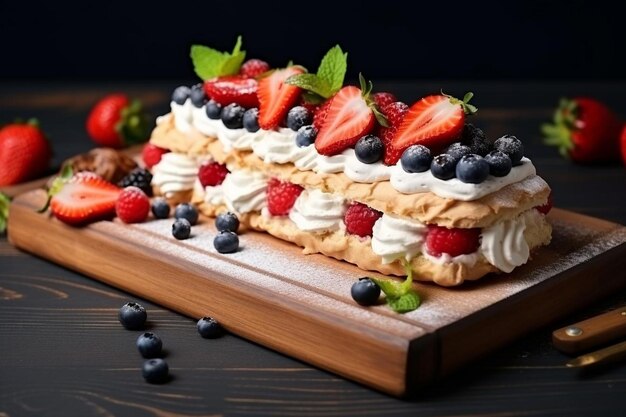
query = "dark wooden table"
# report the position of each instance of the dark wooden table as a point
(63, 352)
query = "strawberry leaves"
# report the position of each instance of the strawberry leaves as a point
(57, 185)
(209, 63)
(4, 211)
(328, 79)
(467, 108)
(400, 296)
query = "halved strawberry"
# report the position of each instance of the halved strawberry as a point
(348, 118)
(233, 89)
(276, 97)
(434, 121)
(84, 198)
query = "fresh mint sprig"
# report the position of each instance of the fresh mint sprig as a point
(210, 63)
(400, 296)
(328, 79)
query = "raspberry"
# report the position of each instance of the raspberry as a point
(454, 242)
(382, 99)
(212, 173)
(545, 209)
(281, 196)
(360, 219)
(132, 205)
(394, 112)
(320, 114)
(312, 108)
(152, 154)
(253, 68)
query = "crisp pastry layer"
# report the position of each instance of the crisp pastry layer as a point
(426, 207)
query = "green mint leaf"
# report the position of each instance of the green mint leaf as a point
(206, 61)
(4, 211)
(405, 303)
(392, 289)
(312, 98)
(232, 64)
(310, 82)
(333, 67)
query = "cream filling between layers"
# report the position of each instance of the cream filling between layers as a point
(175, 172)
(316, 211)
(244, 191)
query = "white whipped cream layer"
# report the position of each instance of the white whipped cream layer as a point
(316, 211)
(504, 245)
(279, 146)
(213, 195)
(394, 237)
(175, 172)
(244, 191)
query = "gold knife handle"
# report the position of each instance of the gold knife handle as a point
(588, 334)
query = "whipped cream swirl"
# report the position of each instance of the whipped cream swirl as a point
(394, 237)
(317, 211)
(244, 191)
(175, 172)
(183, 115)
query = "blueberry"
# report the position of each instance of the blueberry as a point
(155, 371)
(297, 117)
(149, 345)
(213, 110)
(369, 149)
(132, 316)
(227, 222)
(186, 211)
(232, 116)
(160, 208)
(226, 242)
(306, 136)
(209, 328)
(251, 120)
(181, 94)
(499, 163)
(511, 146)
(458, 151)
(472, 169)
(198, 96)
(365, 292)
(181, 229)
(474, 137)
(442, 166)
(416, 158)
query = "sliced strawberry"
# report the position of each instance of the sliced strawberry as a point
(434, 121)
(349, 117)
(86, 197)
(394, 112)
(233, 89)
(276, 97)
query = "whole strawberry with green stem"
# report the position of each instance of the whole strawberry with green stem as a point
(116, 122)
(584, 130)
(24, 152)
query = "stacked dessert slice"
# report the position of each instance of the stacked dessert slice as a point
(353, 175)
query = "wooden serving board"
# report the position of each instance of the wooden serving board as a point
(271, 293)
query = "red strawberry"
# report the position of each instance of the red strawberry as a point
(84, 198)
(132, 206)
(116, 122)
(24, 153)
(349, 118)
(394, 112)
(382, 99)
(151, 154)
(233, 89)
(434, 121)
(545, 209)
(454, 242)
(281, 196)
(276, 98)
(312, 108)
(623, 144)
(584, 130)
(360, 219)
(212, 174)
(320, 114)
(252, 68)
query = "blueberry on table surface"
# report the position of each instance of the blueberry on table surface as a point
(187, 211)
(132, 316)
(213, 110)
(181, 229)
(155, 371)
(226, 242)
(297, 117)
(181, 94)
(227, 222)
(149, 345)
(499, 163)
(198, 96)
(209, 328)
(369, 149)
(365, 292)
(306, 136)
(251, 120)
(416, 158)
(472, 169)
(232, 116)
(511, 146)
(160, 208)
(443, 166)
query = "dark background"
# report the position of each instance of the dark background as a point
(113, 40)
